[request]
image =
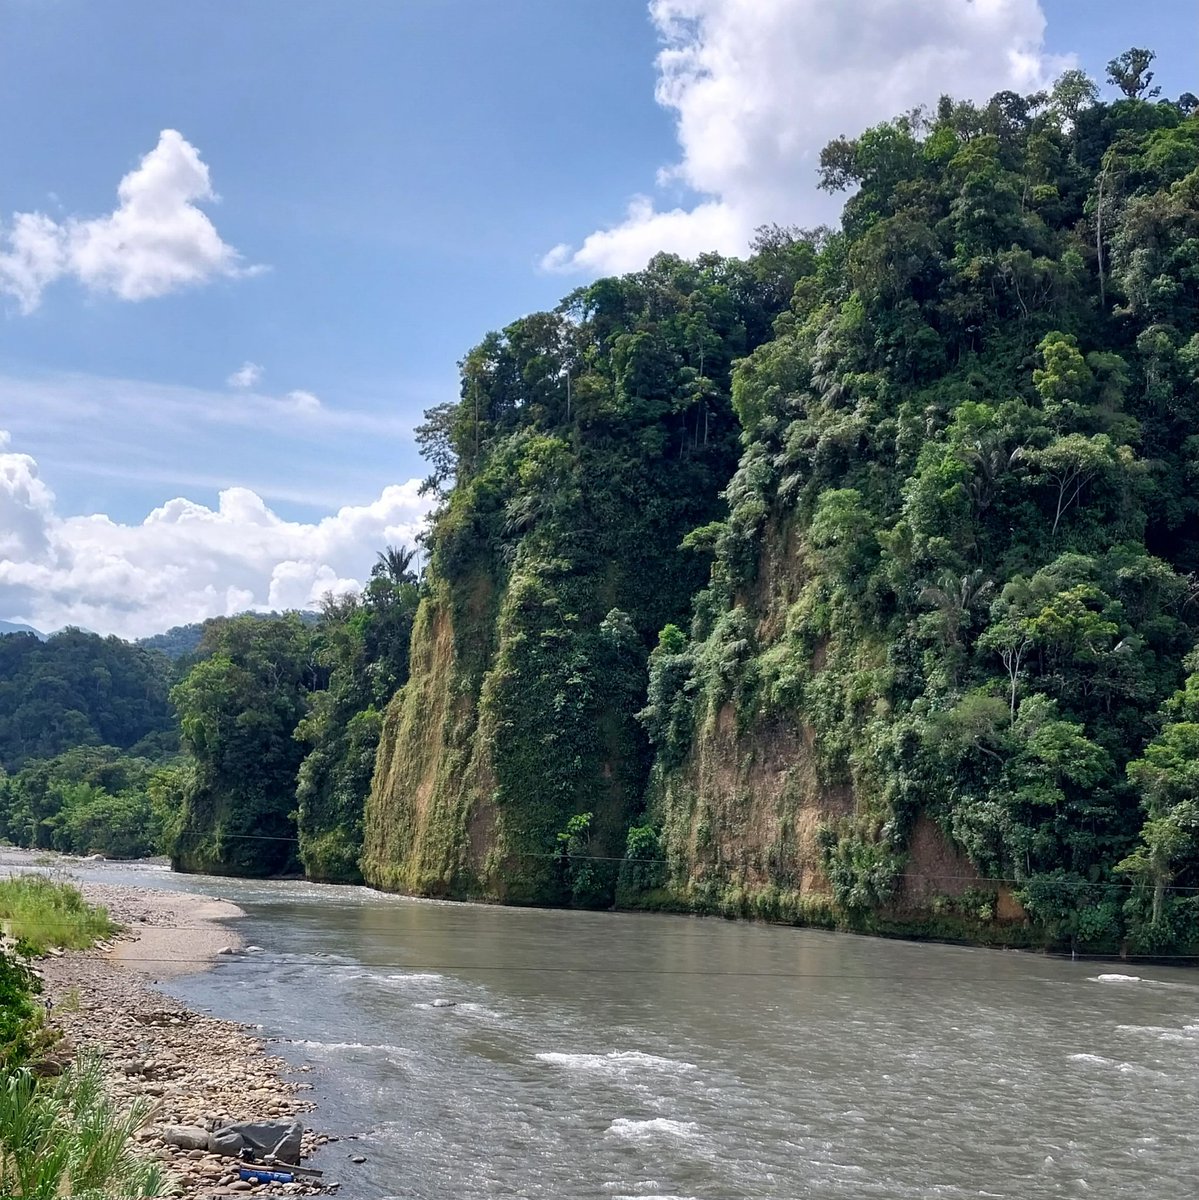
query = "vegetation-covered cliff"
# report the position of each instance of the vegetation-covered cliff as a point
(588, 444)
(928, 683)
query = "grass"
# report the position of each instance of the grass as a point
(45, 914)
(66, 1138)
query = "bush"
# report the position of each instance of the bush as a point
(20, 1016)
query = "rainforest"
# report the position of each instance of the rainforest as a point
(854, 583)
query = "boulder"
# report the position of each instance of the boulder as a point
(186, 1137)
(280, 1138)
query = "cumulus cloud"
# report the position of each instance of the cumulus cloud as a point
(758, 87)
(248, 375)
(185, 561)
(157, 240)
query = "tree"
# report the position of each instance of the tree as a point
(1130, 73)
(1073, 92)
(394, 563)
(1064, 380)
(1071, 462)
(238, 710)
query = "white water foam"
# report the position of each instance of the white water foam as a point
(1125, 1068)
(342, 1047)
(615, 1062)
(416, 977)
(1163, 1033)
(650, 1196)
(640, 1131)
(1112, 978)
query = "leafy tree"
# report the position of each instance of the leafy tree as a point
(238, 709)
(1130, 73)
(361, 645)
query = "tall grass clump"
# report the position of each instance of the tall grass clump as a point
(66, 1138)
(42, 913)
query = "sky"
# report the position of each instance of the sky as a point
(243, 246)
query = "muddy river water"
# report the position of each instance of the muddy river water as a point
(487, 1052)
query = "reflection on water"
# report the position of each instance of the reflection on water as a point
(599, 1055)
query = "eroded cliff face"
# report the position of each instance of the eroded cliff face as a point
(742, 823)
(518, 717)
(430, 816)
(900, 506)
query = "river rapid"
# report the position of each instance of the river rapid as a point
(601, 1056)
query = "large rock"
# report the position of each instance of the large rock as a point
(280, 1138)
(186, 1137)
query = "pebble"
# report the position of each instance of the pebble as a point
(194, 1069)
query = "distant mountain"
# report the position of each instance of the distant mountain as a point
(181, 640)
(176, 642)
(15, 627)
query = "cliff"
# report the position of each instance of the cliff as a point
(913, 651)
(587, 444)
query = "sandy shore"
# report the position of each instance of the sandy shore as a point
(171, 933)
(192, 1069)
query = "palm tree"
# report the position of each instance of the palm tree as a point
(394, 563)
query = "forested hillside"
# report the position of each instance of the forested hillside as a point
(85, 731)
(953, 593)
(280, 717)
(78, 689)
(932, 680)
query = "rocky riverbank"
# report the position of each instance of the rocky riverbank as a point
(192, 1069)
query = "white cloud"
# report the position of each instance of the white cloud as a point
(760, 86)
(154, 242)
(248, 375)
(185, 561)
(301, 401)
(25, 506)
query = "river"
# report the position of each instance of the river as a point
(595, 1055)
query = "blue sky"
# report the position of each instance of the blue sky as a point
(394, 178)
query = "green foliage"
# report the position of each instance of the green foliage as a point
(66, 1138)
(1163, 867)
(362, 643)
(587, 445)
(238, 710)
(22, 1034)
(90, 799)
(644, 865)
(862, 870)
(77, 689)
(948, 579)
(957, 552)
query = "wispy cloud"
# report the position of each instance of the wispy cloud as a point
(74, 396)
(246, 376)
